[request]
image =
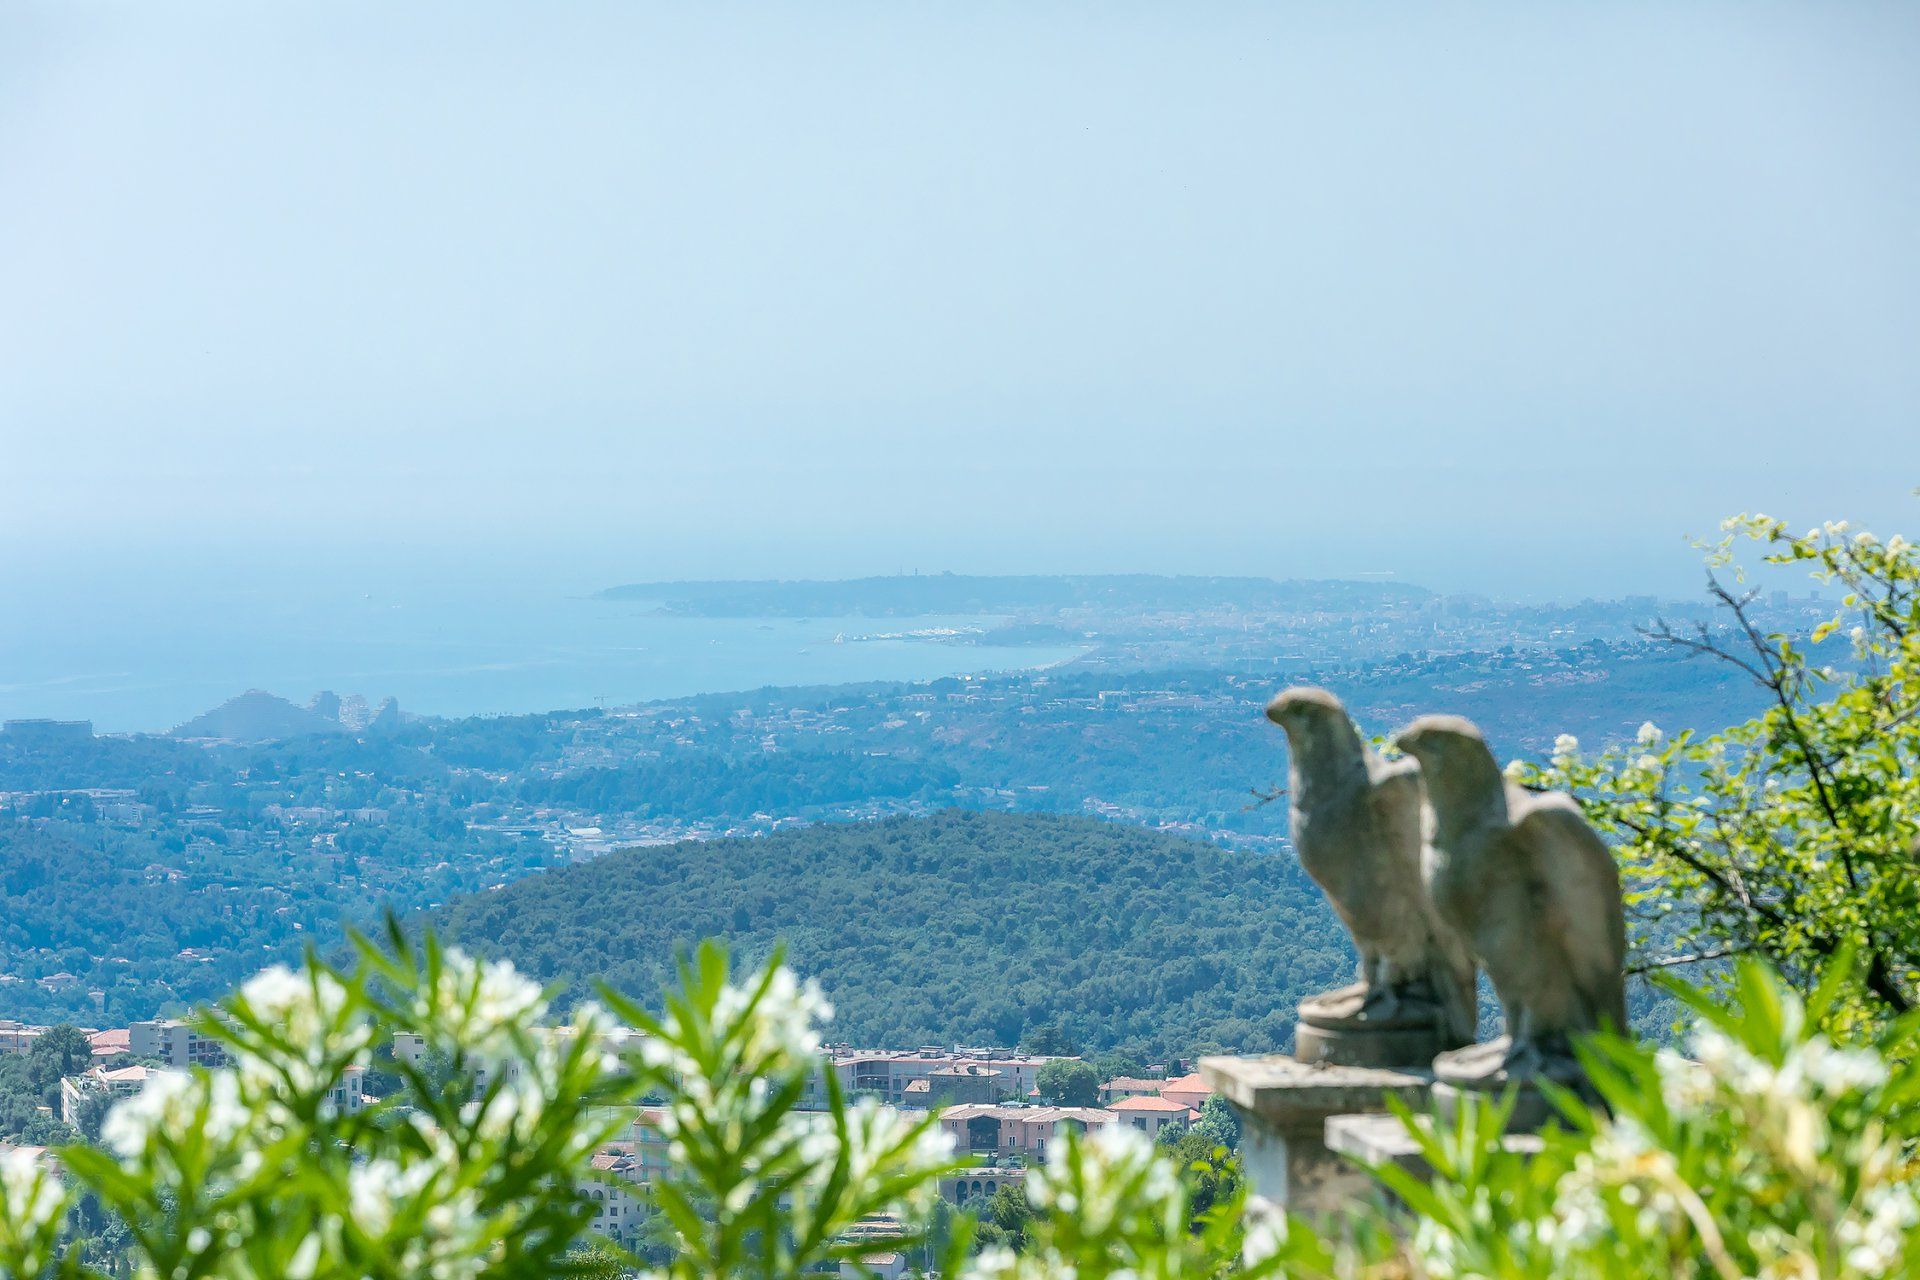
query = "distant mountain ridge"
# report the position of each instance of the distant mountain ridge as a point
(259, 716)
(961, 926)
(938, 593)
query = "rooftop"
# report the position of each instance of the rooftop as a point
(1151, 1104)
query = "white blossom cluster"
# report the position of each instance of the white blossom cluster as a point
(1776, 1123)
(314, 1015)
(176, 1104)
(1116, 1190)
(32, 1204)
(882, 1142)
(425, 1218)
(775, 1035)
(1117, 1173)
(476, 1008)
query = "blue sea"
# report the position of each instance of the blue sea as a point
(146, 655)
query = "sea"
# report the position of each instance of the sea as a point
(145, 656)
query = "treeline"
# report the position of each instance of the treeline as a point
(725, 785)
(974, 927)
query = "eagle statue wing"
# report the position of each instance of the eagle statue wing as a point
(1582, 884)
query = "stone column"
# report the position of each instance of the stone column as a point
(1284, 1106)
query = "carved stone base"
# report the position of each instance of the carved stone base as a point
(1337, 1027)
(1284, 1105)
(1483, 1071)
(1369, 1046)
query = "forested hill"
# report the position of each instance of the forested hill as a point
(959, 927)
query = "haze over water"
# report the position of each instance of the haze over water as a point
(146, 658)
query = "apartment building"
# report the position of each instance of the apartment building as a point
(1187, 1090)
(1017, 1130)
(115, 1083)
(17, 1037)
(927, 1077)
(619, 1203)
(177, 1044)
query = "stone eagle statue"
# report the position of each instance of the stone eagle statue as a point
(1357, 829)
(1536, 893)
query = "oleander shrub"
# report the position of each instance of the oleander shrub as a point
(1770, 1152)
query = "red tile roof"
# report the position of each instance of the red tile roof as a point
(1149, 1104)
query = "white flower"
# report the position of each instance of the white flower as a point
(30, 1192)
(1835, 1071)
(1566, 749)
(1897, 546)
(312, 1012)
(478, 1006)
(1685, 1086)
(1266, 1236)
(883, 1142)
(273, 991)
(783, 1026)
(1876, 1242)
(174, 1102)
(1649, 735)
(1112, 1180)
(375, 1189)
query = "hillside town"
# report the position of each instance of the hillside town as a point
(998, 1105)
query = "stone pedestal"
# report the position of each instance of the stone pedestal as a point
(1383, 1139)
(1411, 1047)
(1284, 1106)
(1338, 1027)
(1481, 1071)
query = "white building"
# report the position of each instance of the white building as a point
(116, 1083)
(178, 1044)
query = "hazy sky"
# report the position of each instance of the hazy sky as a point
(1503, 297)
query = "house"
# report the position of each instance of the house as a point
(1188, 1090)
(619, 1197)
(648, 1144)
(349, 1092)
(890, 1265)
(1017, 1130)
(1150, 1115)
(111, 1043)
(17, 1037)
(1129, 1087)
(962, 1082)
(115, 1082)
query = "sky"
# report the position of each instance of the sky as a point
(1503, 298)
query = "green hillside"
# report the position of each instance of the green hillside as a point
(961, 927)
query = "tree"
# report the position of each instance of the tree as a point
(1005, 1218)
(1068, 1082)
(91, 1111)
(59, 1052)
(1218, 1126)
(1117, 1063)
(1047, 1038)
(1794, 836)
